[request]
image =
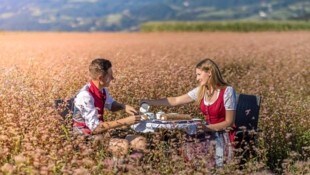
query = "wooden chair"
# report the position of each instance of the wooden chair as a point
(64, 106)
(246, 121)
(247, 114)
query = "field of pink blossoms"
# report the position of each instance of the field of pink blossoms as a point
(36, 68)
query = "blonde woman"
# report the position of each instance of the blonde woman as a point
(217, 102)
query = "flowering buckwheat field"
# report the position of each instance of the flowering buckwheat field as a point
(37, 68)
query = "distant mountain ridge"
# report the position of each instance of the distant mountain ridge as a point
(127, 15)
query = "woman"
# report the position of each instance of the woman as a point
(217, 102)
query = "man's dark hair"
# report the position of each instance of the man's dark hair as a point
(99, 66)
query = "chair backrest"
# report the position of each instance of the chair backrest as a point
(64, 107)
(247, 111)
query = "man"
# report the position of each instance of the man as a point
(91, 101)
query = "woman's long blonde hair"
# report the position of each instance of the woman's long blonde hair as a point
(216, 79)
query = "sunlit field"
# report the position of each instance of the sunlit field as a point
(36, 68)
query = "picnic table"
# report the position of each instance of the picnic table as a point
(247, 115)
(196, 142)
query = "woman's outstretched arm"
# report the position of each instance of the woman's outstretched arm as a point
(169, 101)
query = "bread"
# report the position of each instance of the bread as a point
(175, 116)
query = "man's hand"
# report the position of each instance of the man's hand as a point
(130, 110)
(133, 119)
(138, 118)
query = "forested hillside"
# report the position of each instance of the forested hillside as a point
(120, 15)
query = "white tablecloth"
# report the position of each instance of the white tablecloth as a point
(145, 126)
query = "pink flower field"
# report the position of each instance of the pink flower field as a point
(37, 68)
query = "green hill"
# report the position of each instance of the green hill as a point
(127, 15)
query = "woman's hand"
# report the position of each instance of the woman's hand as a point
(202, 127)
